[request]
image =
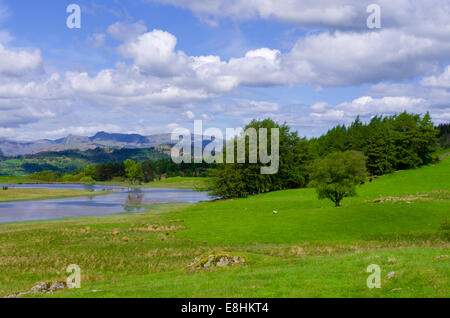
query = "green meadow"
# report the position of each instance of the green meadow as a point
(308, 249)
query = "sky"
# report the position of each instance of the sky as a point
(151, 66)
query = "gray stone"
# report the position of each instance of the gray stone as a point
(224, 261)
(40, 288)
(57, 286)
(390, 275)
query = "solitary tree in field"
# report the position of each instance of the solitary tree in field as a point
(134, 171)
(336, 176)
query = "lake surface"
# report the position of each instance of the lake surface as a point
(122, 200)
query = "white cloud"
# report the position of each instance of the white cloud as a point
(442, 80)
(160, 78)
(189, 115)
(320, 107)
(244, 107)
(329, 115)
(124, 31)
(303, 12)
(19, 61)
(153, 53)
(40, 89)
(415, 16)
(97, 40)
(369, 106)
(324, 59)
(82, 130)
(341, 59)
(437, 97)
(366, 107)
(5, 37)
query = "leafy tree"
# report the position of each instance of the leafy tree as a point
(89, 171)
(444, 135)
(134, 171)
(401, 141)
(147, 170)
(243, 179)
(427, 139)
(88, 180)
(378, 147)
(336, 176)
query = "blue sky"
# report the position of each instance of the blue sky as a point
(150, 66)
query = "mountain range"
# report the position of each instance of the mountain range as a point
(11, 148)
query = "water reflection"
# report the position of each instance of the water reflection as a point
(121, 200)
(135, 198)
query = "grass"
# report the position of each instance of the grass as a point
(13, 194)
(15, 180)
(308, 249)
(341, 275)
(196, 183)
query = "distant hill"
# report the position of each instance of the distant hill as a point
(75, 152)
(69, 160)
(99, 140)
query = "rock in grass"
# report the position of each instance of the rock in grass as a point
(275, 212)
(40, 288)
(216, 259)
(57, 286)
(390, 275)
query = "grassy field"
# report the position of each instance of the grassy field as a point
(196, 183)
(308, 249)
(15, 180)
(13, 194)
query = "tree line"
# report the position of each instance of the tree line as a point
(444, 135)
(126, 171)
(334, 163)
(384, 144)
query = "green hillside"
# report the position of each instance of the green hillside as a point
(308, 249)
(69, 160)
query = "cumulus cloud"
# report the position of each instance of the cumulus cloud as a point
(122, 31)
(369, 106)
(309, 12)
(324, 59)
(189, 115)
(244, 107)
(19, 61)
(155, 76)
(154, 52)
(442, 80)
(366, 107)
(340, 59)
(13, 118)
(417, 16)
(44, 88)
